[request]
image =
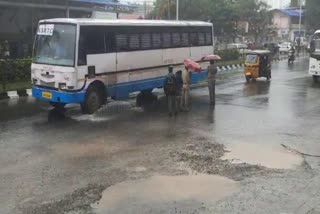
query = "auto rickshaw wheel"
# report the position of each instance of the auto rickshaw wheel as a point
(248, 79)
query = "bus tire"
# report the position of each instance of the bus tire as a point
(315, 78)
(93, 100)
(57, 105)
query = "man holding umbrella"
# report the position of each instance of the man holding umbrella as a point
(190, 65)
(185, 89)
(212, 71)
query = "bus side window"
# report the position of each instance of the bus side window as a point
(176, 39)
(166, 40)
(194, 39)
(91, 41)
(156, 41)
(121, 42)
(202, 40)
(185, 40)
(110, 42)
(82, 55)
(95, 42)
(146, 41)
(134, 42)
(209, 38)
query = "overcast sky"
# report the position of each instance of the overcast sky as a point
(272, 3)
(278, 3)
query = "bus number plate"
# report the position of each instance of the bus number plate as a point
(47, 95)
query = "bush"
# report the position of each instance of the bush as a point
(17, 70)
(228, 55)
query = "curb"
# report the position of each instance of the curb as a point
(16, 94)
(229, 67)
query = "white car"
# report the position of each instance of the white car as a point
(285, 47)
(237, 46)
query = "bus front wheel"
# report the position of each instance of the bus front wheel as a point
(57, 105)
(93, 101)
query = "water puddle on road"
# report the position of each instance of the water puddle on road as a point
(270, 156)
(158, 191)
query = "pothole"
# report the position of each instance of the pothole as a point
(158, 191)
(270, 156)
(207, 157)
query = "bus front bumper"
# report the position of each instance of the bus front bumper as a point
(58, 96)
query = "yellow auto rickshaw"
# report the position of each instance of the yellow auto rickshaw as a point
(258, 64)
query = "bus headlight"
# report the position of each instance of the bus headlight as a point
(62, 86)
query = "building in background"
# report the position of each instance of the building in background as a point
(286, 23)
(19, 18)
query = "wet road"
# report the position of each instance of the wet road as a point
(52, 164)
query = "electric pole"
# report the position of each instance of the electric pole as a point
(177, 10)
(169, 11)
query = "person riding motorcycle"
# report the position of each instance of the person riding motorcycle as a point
(291, 55)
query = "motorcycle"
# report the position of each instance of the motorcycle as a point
(291, 57)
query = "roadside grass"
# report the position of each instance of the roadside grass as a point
(15, 86)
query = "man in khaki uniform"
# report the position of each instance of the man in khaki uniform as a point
(185, 89)
(212, 71)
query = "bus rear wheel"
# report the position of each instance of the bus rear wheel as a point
(93, 100)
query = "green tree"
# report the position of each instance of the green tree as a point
(295, 3)
(312, 14)
(224, 14)
(217, 11)
(257, 14)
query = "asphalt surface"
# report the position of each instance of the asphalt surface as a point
(261, 141)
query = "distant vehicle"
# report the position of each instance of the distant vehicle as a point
(314, 65)
(237, 46)
(291, 57)
(285, 47)
(303, 41)
(86, 61)
(273, 48)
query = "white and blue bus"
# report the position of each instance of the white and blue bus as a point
(86, 61)
(314, 65)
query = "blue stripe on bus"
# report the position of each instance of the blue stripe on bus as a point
(59, 96)
(122, 90)
(119, 91)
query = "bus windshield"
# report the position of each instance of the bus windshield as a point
(55, 44)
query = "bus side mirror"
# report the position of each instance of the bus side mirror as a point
(91, 72)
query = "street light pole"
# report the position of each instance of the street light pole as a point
(177, 8)
(300, 18)
(169, 12)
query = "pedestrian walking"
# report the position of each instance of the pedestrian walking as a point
(170, 91)
(179, 85)
(185, 89)
(212, 71)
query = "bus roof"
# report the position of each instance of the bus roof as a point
(124, 22)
